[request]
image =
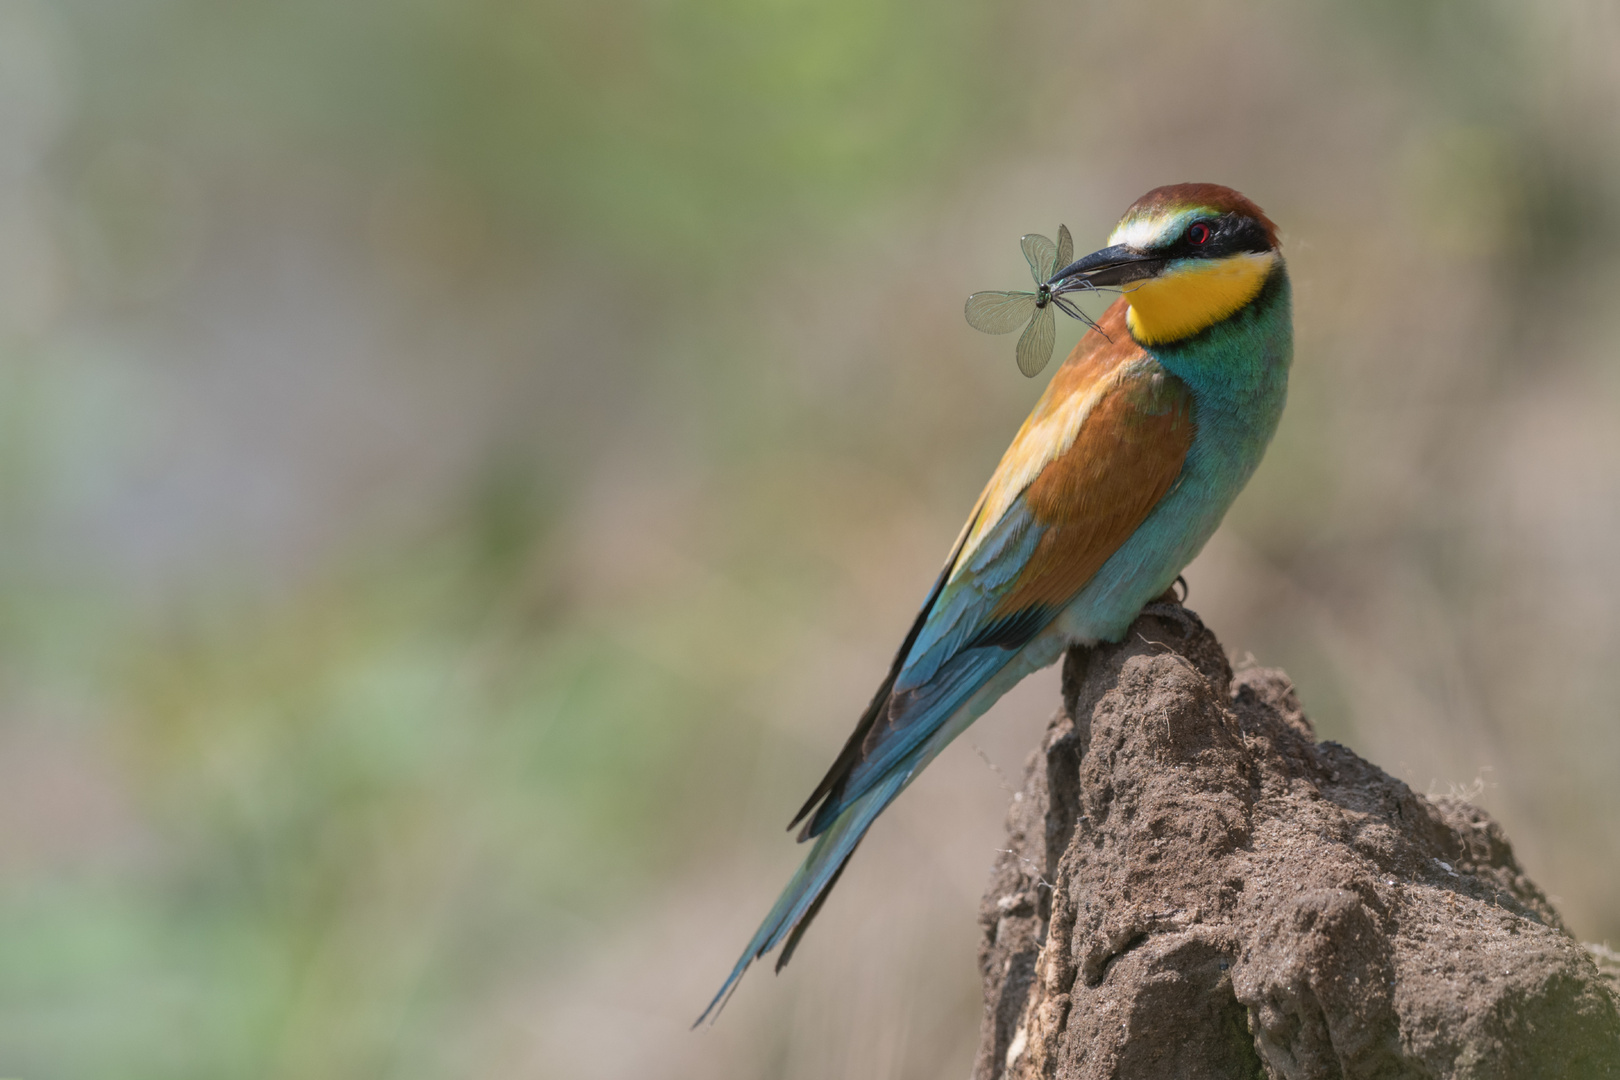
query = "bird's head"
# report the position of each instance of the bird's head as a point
(1186, 256)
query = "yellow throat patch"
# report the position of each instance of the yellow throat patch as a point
(1179, 303)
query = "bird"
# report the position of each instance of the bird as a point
(1123, 470)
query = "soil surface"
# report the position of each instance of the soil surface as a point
(1194, 887)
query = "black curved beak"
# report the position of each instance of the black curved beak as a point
(1117, 265)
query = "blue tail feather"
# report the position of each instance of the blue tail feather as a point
(802, 898)
(927, 710)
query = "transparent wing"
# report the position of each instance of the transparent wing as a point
(1065, 250)
(1035, 347)
(1042, 256)
(998, 312)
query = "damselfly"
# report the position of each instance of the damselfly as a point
(1004, 312)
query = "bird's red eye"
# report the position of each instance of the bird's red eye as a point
(1198, 234)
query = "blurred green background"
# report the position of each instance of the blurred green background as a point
(464, 464)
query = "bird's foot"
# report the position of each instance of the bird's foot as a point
(1170, 606)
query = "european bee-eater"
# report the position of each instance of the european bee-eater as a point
(1123, 470)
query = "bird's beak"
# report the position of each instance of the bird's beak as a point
(1117, 265)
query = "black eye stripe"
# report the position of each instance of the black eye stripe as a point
(1227, 235)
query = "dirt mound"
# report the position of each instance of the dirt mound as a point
(1195, 887)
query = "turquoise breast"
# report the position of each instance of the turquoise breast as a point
(1237, 371)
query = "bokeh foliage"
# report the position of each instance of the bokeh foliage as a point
(463, 465)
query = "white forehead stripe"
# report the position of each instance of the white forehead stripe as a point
(1145, 231)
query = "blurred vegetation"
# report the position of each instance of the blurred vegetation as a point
(464, 465)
